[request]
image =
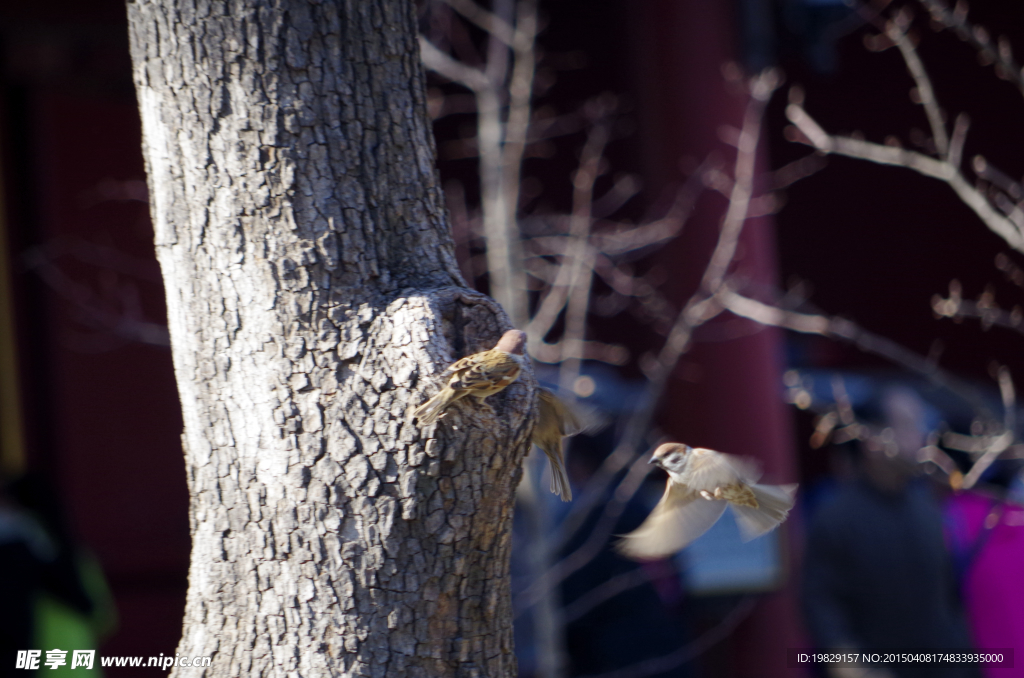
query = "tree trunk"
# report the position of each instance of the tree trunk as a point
(312, 291)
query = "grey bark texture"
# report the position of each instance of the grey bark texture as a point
(312, 293)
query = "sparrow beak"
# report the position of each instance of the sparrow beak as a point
(652, 460)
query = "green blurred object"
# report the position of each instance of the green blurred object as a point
(59, 627)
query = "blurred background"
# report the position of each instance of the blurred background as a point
(630, 138)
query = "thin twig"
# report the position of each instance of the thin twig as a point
(604, 592)
(577, 252)
(471, 78)
(689, 651)
(978, 38)
(1003, 442)
(845, 330)
(481, 18)
(956, 307)
(581, 263)
(896, 32)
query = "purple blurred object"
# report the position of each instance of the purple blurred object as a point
(987, 540)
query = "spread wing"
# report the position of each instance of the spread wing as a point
(554, 412)
(680, 517)
(574, 416)
(710, 470)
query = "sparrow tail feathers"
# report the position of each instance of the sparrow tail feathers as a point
(774, 503)
(428, 412)
(559, 478)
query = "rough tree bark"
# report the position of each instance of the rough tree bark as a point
(311, 290)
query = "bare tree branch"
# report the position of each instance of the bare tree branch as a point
(481, 18)
(847, 331)
(500, 143)
(471, 78)
(571, 286)
(984, 309)
(978, 37)
(919, 162)
(1002, 442)
(946, 168)
(581, 262)
(896, 31)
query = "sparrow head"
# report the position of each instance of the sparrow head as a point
(672, 457)
(513, 342)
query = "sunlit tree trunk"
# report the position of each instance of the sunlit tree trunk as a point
(312, 291)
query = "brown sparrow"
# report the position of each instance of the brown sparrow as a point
(555, 421)
(479, 375)
(701, 483)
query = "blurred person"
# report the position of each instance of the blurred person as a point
(877, 574)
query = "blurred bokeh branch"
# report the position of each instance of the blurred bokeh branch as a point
(697, 310)
(501, 139)
(997, 211)
(1000, 54)
(984, 309)
(994, 197)
(984, 449)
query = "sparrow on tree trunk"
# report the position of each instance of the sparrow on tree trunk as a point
(479, 375)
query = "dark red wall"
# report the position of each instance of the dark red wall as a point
(102, 409)
(725, 393)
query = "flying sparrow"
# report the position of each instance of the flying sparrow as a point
(700, 484)
(479, 375)
(555, 421)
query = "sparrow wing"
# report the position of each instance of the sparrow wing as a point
(773, 505)
(709, 470)
(459, 365)
(748, 470)
(554, 412)
(680, 517)
(485, 371)
(573, 415)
